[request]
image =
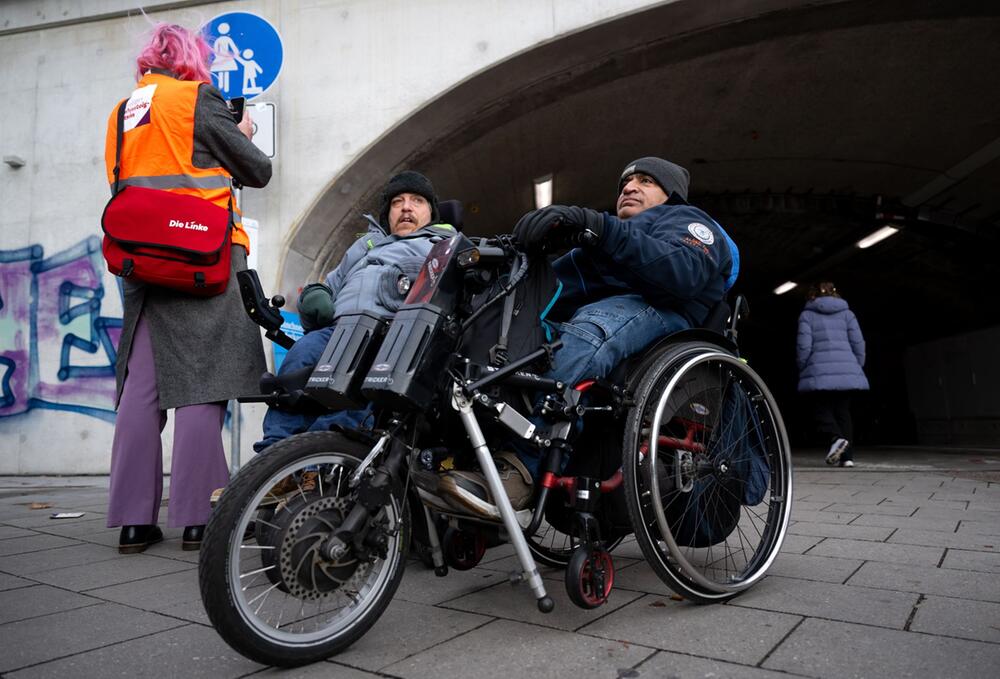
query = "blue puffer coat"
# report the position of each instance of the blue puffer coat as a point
(830, 350)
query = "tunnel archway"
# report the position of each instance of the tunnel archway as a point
(804, 125)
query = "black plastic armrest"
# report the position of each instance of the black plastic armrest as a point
(257, 305)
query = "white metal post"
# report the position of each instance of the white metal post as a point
(236, 421)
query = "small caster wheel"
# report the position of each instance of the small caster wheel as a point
(589, 577)
(463, 549)
(441, 571)
(546, 604)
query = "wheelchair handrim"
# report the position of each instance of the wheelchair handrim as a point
(666, 534)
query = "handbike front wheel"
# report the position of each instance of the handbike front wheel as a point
(268, 591)
(707, 472)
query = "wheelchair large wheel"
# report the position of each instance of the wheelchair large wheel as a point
(707, 472)
(268, 591)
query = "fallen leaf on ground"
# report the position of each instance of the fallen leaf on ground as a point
(40, 505)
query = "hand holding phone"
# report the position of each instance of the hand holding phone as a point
(236, 106)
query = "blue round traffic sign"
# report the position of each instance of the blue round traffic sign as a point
(247, 54)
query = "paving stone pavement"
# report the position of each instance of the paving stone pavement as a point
(891, 569)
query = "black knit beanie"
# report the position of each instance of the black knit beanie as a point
(671, 177)
(408, 181)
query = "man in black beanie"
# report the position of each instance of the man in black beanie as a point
(404, 192)
(656, 266)
(366, 279)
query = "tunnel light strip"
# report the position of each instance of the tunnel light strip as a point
(877, 236)
(785, 287)
(543, 192)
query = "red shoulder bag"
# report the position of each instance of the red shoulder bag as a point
(167, 239)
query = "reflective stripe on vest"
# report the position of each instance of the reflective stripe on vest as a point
(178, 181)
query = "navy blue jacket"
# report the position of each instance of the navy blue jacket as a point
(830, 348)
(675, 256)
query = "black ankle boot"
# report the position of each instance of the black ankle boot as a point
(135, 539)
(192, 538)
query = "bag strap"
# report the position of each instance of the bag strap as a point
(498, 352)
(118, 144)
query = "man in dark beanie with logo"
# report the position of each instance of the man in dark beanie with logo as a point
(371, 276)
(658, 265)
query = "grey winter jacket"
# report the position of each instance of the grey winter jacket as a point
(367, 276)
(830, 350)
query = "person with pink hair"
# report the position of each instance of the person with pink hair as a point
(190, 354)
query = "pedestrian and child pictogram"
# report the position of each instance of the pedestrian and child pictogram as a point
(247, 54)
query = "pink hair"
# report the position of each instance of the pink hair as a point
(177, 49)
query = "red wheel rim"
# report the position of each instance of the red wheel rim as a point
(466, 549)
(590, 588)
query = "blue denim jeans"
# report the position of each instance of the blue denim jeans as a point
(280, 424)
(598, 337)
(602, 334)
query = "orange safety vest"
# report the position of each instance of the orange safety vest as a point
(158, 146)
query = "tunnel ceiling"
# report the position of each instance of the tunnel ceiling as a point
(791, 121)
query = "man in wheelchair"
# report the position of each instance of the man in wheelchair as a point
(373, 275)
(659, 265)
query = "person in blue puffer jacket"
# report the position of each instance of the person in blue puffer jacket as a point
(830, 352)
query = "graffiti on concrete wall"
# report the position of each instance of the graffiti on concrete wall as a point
(56, 349)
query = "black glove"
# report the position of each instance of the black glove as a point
(582, 225)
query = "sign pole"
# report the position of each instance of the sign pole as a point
(234, 442)
(236, 421)
(247, 56)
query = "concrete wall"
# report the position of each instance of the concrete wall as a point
(954, 389)
(353, 70)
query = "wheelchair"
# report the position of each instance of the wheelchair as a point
(682, 446)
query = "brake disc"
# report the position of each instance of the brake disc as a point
(304, 525)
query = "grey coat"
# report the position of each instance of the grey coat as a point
(205, 349)
(830, 348)
(367, 276)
